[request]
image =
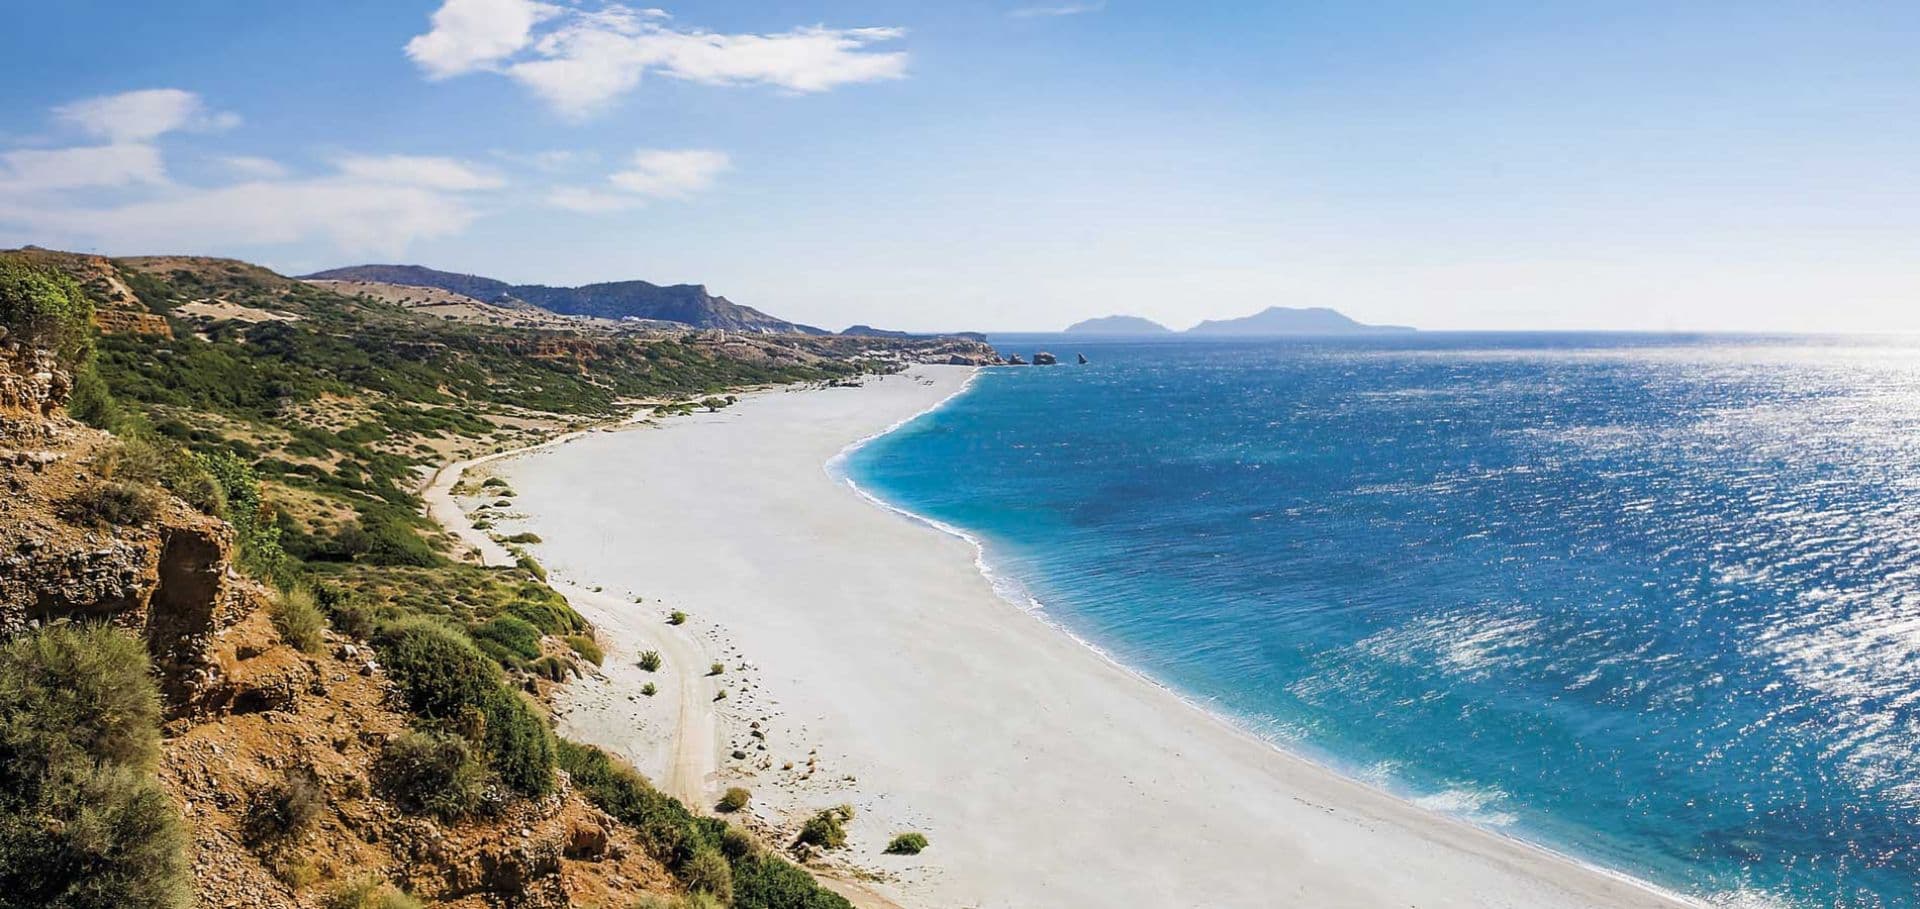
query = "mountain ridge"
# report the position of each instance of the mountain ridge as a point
(1274, 320)
(687, 304)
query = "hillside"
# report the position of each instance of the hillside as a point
(1284, 320)
(347, 711)
(1118, 325)
(687, 304)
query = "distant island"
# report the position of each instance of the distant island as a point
(1274, 320)
(1118, 325)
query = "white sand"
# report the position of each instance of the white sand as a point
(1043, 775)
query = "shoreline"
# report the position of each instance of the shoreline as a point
(1468, 865)
(1032, 605)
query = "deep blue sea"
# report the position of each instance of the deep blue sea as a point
(1653, 601)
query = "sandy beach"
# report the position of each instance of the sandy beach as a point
(867, 661)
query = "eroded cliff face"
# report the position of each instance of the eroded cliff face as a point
(168, 578)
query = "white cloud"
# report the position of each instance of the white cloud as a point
(585, 59)
(473, 34)
(659, 172)
(355, 216)
(140, 116)
(252, 167)
(1065, 9)
(651, 173)
(589, 201)
(44, 170)
(416, 170)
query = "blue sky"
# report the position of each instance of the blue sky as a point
(1009, 164)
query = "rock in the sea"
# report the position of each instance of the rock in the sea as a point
(1083, 359)
(1044, 359)
(1015, 360)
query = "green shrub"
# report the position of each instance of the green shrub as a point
(516, 635)
(827, 829)
(255, 530)
(83, 822)
(717, 669)
(708, 872)
(41, 307)
(91, 402)
(551, 616)
(441, 673)
(494, 483)
(649, 689)
(907, 844)
(369, 892)
(382, 538)
(676, 617)
(519, 744)
(553, 668)
(348, 613)
(112, 503)
(298, 619)
(522, 538)
(586, 647)
(735, 799)
(767, 881)
(431, 773)
(650, 661)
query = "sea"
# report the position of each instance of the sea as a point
(1652, 601)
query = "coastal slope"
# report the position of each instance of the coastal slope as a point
(884, 671)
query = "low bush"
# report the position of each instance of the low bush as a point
(431, 773)
(440, 672)
(348, 613)
(735, 799)
(287, 808)
(650, 661)
(83, 822)
(522, 538)
(369, 892)
(827, 829)
(907, 844)
(766, 881)
(516, 635)
(112, 503)
(494, 483)
(708, 872)
(717, 669)
(297, 617)
(586, 647)
(553, 668)
(519, 744)
(676, 617)
(551, 616)
(649, 689)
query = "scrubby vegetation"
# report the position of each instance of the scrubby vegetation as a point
(735, 799)
(369, 892)
(298, 618)
(83, 822)
(586, 647)
(827, 829)
(681, 840)
(907, 844)
(650, 661)
(676, 617)
(432, 773)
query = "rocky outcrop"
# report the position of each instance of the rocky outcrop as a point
(168, 576)
(33, 384)
(1045, 359)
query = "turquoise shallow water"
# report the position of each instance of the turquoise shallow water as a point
(1653, 601)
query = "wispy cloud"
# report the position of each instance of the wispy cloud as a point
(650, 174)
(422, 171)
(120, 194)
(1065, 9)
(578, 61)
(142, 116)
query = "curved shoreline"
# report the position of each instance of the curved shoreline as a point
(1001, 582)
(1043, 777)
